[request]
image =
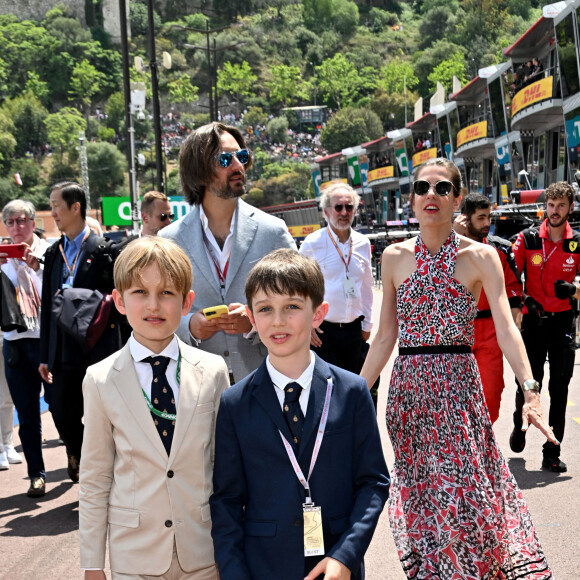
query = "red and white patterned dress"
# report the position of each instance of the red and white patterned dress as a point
(455, 509)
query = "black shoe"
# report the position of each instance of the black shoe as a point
(554, 464)
(517, 440)
(73, 468)
(37, 487)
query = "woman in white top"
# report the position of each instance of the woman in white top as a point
(21, 349)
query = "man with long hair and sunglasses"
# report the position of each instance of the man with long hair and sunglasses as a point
(344, 256)
(223, 237)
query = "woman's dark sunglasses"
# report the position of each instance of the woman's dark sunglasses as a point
(225, 159)
(442, 188)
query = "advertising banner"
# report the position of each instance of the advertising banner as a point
(316, 179)
(471, 133)
(401, 156)
(424, 155)
(381, 173)
(326, 184)
(534, 93)
(117, 210)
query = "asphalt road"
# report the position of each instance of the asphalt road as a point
(39, 539)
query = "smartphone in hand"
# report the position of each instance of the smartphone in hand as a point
(215, 311)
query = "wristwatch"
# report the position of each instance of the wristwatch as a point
(531, 385)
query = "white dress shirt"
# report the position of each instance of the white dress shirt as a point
(319, 246)
(144, 370)
(280, 381)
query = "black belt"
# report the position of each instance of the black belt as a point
(436, 349)
(356, 321)
(483, 314)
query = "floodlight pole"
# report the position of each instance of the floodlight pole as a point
(155, 94)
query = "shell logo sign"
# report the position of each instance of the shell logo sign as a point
(537, 259)
(471, 133)
(534, 93)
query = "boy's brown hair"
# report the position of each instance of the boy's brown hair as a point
(171, 260)
(285, 271)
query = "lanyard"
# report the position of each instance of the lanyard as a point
(346, 264)
(220, 273)
(163, 415)
(72, 269)
(550, 254)
(297, 470)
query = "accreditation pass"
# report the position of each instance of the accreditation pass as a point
(313, 539)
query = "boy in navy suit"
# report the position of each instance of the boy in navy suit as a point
(299, 477)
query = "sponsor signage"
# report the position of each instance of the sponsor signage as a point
(424, 155)
(302, 231)
(534, 93)
(117, 210)
(401, 156)
(326, 184)
(316, 178)
(381, 173)
(471, 133)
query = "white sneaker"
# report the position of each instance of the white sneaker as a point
(3, 461)
(12, 455)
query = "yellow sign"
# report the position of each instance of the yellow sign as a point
(537, 259)
(534, 93)
(471, 133)
(302, 231)
(329, 183)
(424, 155)
(573, 246)
(381, 173)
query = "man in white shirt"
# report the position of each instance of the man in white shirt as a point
(344, 256)
(223, 237)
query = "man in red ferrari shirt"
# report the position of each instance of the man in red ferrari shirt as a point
(549, 255)
(474, 223)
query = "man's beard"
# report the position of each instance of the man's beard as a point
(229, 192)
(475, 233)
(560, 222)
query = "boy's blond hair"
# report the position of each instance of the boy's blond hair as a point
(171, 260)
(285, 271)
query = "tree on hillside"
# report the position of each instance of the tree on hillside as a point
(63, 129)
(182, 91)
(350, 127)
(28, 115)
(115, 110)
(85, 83)
(339, 82)
(107, 166)
(436, 24)
(36, 87)
(397, 76)
(425, 62)
(446, 70)
(341, 15)
(236, 79)
(391, 108)
(277, 130)
(287, 86)
(7, 142)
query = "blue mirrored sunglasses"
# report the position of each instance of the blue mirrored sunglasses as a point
(225, 159)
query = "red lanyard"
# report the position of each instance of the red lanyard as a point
(346, 264)
(220, 273)
(72, 269)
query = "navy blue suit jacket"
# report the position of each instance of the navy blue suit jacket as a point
(256, 506)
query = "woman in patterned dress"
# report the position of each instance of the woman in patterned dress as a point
(456, 511)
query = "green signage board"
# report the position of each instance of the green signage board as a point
(117, 210)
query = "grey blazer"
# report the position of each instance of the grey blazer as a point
(256, 233)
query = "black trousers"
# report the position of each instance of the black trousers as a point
(554, 337)
(66, 406)
(341, 345)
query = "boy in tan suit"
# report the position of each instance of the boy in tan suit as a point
(148, 449)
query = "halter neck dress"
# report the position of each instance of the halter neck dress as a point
(455, 509)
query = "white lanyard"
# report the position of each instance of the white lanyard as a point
(297, 470)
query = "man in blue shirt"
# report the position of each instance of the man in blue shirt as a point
(80, 259)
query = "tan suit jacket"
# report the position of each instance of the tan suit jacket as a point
(129, 486)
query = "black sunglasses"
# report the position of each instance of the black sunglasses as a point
(348, 207)
(442, 188)
(225, 159)
(164, 216)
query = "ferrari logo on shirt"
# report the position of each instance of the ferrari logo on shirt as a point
(573, 246)
(537, 259)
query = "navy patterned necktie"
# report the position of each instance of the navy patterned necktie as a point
(162, 399)
(293, 412)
